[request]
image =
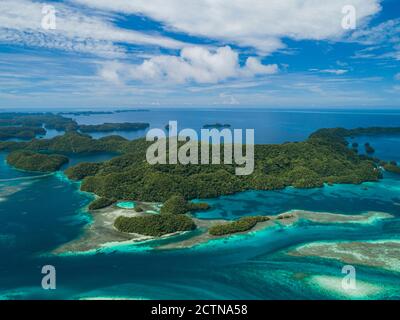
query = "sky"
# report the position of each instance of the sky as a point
(200, 53)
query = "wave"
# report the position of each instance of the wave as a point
(27, 178)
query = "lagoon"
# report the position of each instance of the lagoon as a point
(39, 215)
(126, 205)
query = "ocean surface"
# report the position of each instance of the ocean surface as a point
(38, 213)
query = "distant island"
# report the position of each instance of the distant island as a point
(216, 126)
(36, 120)
(91, 113)
(21, 132)
(85, 113)
(109, 127)
(131, 110)
(26, 126)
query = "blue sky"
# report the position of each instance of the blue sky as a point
(200, 53)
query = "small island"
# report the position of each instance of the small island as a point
(369, 149)
(155, 225)
(21, 132)
(131, 110)
(109, 127)
(172, 218)
(216, 126)
(37, 120)
(36, 162)
(101, 203)
(241, 225)
(391, 166)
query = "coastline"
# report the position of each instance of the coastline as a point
(101, 234)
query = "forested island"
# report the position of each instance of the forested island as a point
(30, 125)
(85, 113)
(241, 225)
(216, 126)
(109, 127)
(172, 218)
(91, 113)
(37, 120)
(391, 166)
(21, 132)
(36, 162)
(324, 157)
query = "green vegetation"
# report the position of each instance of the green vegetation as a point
(241, 225)
(49, 120)
(171, 219)
(139, 208)
(392, 166)
(323, 158)
(31, 161)
(175, 205)
(101, 203)
(82, 170)
(154, 225)
(109, 127)
(71, 142)
(178, 205)
(21, 132)
(201, 206)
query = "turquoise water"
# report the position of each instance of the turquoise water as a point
(126, 205)
(38, 213)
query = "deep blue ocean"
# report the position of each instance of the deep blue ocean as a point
(40, 213)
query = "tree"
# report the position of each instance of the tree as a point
(175, 205)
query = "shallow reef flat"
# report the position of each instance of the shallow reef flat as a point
(288, 219)
(332, 286)
(101, 233)
(383, 254)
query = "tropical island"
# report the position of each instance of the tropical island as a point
(109, 127)
(216, 126)
(85, 113)
(37, 120)
(391, 166)
(27, 126)
(21, 132)
(324, 158)
(37, 162)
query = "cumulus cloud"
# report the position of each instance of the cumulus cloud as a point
(193, 65)
(20, 22)
(256, 23)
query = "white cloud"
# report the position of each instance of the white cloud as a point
(330, 71)
(385, 32)
(256, 23)
(20, 22)
(194, 65)
(334, 71)
(397, 76)
(382, 41)
(227, 99)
